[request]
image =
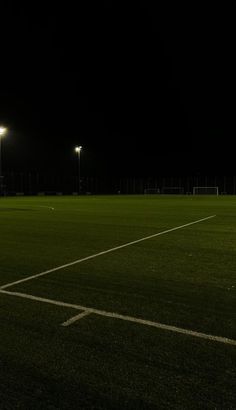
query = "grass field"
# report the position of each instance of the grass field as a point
(117, 354)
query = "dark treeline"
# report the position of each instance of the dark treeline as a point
(34, 183)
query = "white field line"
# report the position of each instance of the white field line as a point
(7, 285)
(87, 310)
(36, 206)
(44, 206)
(75, 318)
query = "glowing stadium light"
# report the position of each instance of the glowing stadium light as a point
(3, 131)
(78, 149)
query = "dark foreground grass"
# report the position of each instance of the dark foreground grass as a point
(185, 278)
(102, 363)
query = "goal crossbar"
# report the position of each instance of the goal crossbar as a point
(151, 191)
(205, 190)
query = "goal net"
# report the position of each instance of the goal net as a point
(205, 190)
(169, 190)
(152, 191)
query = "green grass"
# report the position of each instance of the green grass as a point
(185, 278)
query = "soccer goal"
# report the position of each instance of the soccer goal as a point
(169, 190)
(151, 191)
(205, 190)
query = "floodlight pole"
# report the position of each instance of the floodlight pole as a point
(78, 151)
(79, 173)
(0, 166)
(2, 132)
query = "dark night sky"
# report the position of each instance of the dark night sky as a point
(146, 90)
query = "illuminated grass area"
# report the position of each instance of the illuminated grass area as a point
(184, 278)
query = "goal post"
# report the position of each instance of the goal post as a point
(151, 191)
(205, 190)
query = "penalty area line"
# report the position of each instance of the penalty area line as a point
(87, 311)
(76, 318)
(37, 275)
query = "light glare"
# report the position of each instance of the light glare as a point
(78, 149)
(3, 130)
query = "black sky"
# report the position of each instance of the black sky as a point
(145, 89)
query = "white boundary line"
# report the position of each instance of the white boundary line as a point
(87, 311)
(75, 318)
(44, 206)
(7, 285)
(30, 208)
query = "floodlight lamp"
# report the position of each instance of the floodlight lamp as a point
(78, 149)
(3, 131)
